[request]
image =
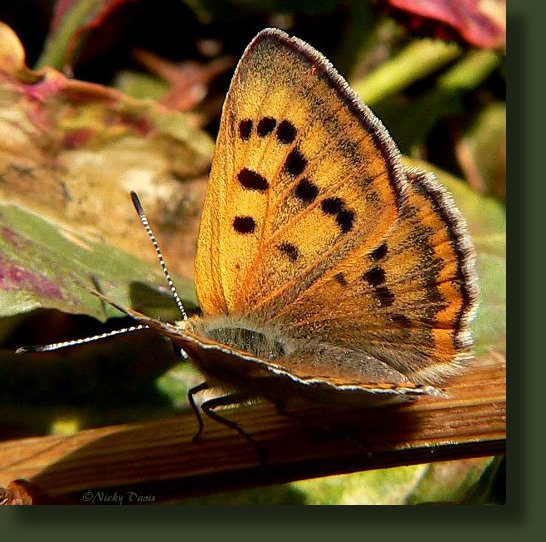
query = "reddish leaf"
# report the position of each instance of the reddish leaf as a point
(478, 23)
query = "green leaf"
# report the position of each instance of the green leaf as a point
(42, 266)
(443, 482)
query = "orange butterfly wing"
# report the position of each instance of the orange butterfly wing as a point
(303, 174)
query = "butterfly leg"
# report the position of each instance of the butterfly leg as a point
(233, 399)
(195, 408)
(208, 408)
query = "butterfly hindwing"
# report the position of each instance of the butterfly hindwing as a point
(407, 301)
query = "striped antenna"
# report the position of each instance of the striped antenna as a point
(78, 342)
(146, 224)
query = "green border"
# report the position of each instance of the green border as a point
(527, 262)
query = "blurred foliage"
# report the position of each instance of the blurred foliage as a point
(442, 100)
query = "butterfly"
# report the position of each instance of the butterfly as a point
(326, 270)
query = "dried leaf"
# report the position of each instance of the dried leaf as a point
(72, 151)
(482, 151)
(189, 81)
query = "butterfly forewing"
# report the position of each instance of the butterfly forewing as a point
(303, 174)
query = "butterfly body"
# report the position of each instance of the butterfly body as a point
(257, 361)
(325, 269)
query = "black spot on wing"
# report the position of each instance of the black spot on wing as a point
(380, 252)
(290, 250)
(385, 296)
(286, 132)
(345, 218)
(245, 129)
(332, 206)
(265, 126)
(375, 276)
(295, 163)
(306, 191)
(244, 224)
(400, 320)
(251, 180)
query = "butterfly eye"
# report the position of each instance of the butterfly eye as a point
(180, 352)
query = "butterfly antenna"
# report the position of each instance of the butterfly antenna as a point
(146, 224)
(78, 342)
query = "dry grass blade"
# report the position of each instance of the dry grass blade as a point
(159, 459)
